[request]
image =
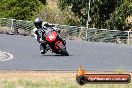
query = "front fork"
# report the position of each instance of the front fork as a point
(61, 39)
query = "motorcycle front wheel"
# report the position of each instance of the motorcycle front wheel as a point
(63, 50)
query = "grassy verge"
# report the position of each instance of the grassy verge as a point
(47, 80)
(5, 29)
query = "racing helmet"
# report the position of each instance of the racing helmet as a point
(38, 23)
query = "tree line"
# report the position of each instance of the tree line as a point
(20, 9)
(110, 14)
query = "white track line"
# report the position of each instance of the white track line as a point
(10, 56)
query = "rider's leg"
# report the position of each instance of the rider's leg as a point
(43, 49)
(43, 45)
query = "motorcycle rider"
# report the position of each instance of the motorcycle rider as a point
(40, 25)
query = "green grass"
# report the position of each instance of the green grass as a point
(50, 83)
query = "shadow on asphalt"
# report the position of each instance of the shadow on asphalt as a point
(55, 55)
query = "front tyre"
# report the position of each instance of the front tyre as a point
(63, 50)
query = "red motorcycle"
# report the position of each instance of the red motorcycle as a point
(54, 42)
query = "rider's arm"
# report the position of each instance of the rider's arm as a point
(36, 34)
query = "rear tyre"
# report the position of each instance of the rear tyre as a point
(63, 50)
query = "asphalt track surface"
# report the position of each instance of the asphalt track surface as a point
(92, 56)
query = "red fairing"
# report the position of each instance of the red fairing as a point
(51, 36)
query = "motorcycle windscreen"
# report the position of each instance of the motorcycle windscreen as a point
(51, 36)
